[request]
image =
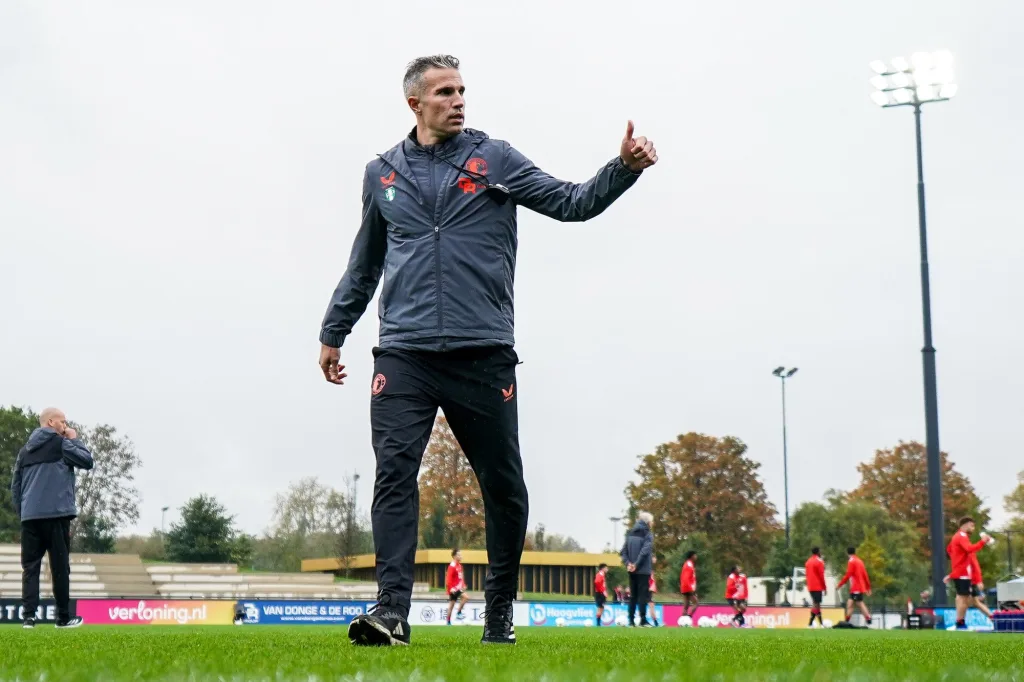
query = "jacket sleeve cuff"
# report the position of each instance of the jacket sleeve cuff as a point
(623, 170)
(331, 339)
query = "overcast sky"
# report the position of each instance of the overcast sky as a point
(180, 187)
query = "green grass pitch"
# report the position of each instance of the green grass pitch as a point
(438, 654)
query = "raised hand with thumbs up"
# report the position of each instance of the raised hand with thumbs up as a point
(637, 153)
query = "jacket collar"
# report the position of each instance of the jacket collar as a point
(458, 148)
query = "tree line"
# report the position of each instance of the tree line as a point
(311, 519)
(705, 493)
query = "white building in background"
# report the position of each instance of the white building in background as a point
(761, 588)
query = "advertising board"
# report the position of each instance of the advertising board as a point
(946, 618)
(756, 616)
(156, 612)
(580, 614)
(11, 611)
(302, 612)
(436, 613)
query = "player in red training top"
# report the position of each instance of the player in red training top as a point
(600, 590)
(977, 587)
(960, 550)
(652, 589)
(814, 569)
(455, 585)
(860, 585)
(736, 594)
(688, 584)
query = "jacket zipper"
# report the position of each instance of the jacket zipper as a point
(442, 195)
(438, 212)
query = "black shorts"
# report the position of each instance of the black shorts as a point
(690, 594)
(963, 586)
(455, 596)
(857, 596)
(737, 603)
(600, 600)
(816, 597)
(976, 591)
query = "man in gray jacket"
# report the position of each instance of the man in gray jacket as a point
(637, 557)
(439, 226)
(43, 490)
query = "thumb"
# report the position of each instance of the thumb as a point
(629, 131)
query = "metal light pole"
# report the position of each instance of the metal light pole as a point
(783, 373)
(926, 77)
(616, 520)
(163, 520)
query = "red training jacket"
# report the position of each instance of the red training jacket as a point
(857, 576)
(815, 569)
(688, 577)
(960, 549)
(736, 586)
(453, 580)
(599, 585)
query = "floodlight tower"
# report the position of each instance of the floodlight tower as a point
(927, 77)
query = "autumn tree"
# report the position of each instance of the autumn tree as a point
(839, 524)
(708, 485)
(873, 556)
(897, 480)
(105, 495)
(311, 520)
(450, 496)
(16, 425)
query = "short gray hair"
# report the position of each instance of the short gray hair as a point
(412, 84)
(646, 517)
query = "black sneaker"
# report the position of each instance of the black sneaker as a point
(70, 623)
(384, 627)
(29, 623)
(498, 626)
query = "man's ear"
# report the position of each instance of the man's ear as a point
(414, 104)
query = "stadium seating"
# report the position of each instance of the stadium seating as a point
(92, 575)
(101, 576)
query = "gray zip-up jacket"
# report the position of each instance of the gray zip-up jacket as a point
(639, 548)
(445, 248)
(43, 486)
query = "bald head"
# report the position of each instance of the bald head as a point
(53, 418)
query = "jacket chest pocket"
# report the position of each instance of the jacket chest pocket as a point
(405, 217)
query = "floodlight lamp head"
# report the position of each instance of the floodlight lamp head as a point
(778, 371)
(791, 372)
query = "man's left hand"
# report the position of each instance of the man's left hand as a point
(637, 153)
(70, 433)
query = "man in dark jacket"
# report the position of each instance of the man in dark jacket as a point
(637, 557)
(439, 226)
(43, 490)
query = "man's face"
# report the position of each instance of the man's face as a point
(58, 423)
(969, 527)
(458, 557)
(441, 103)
